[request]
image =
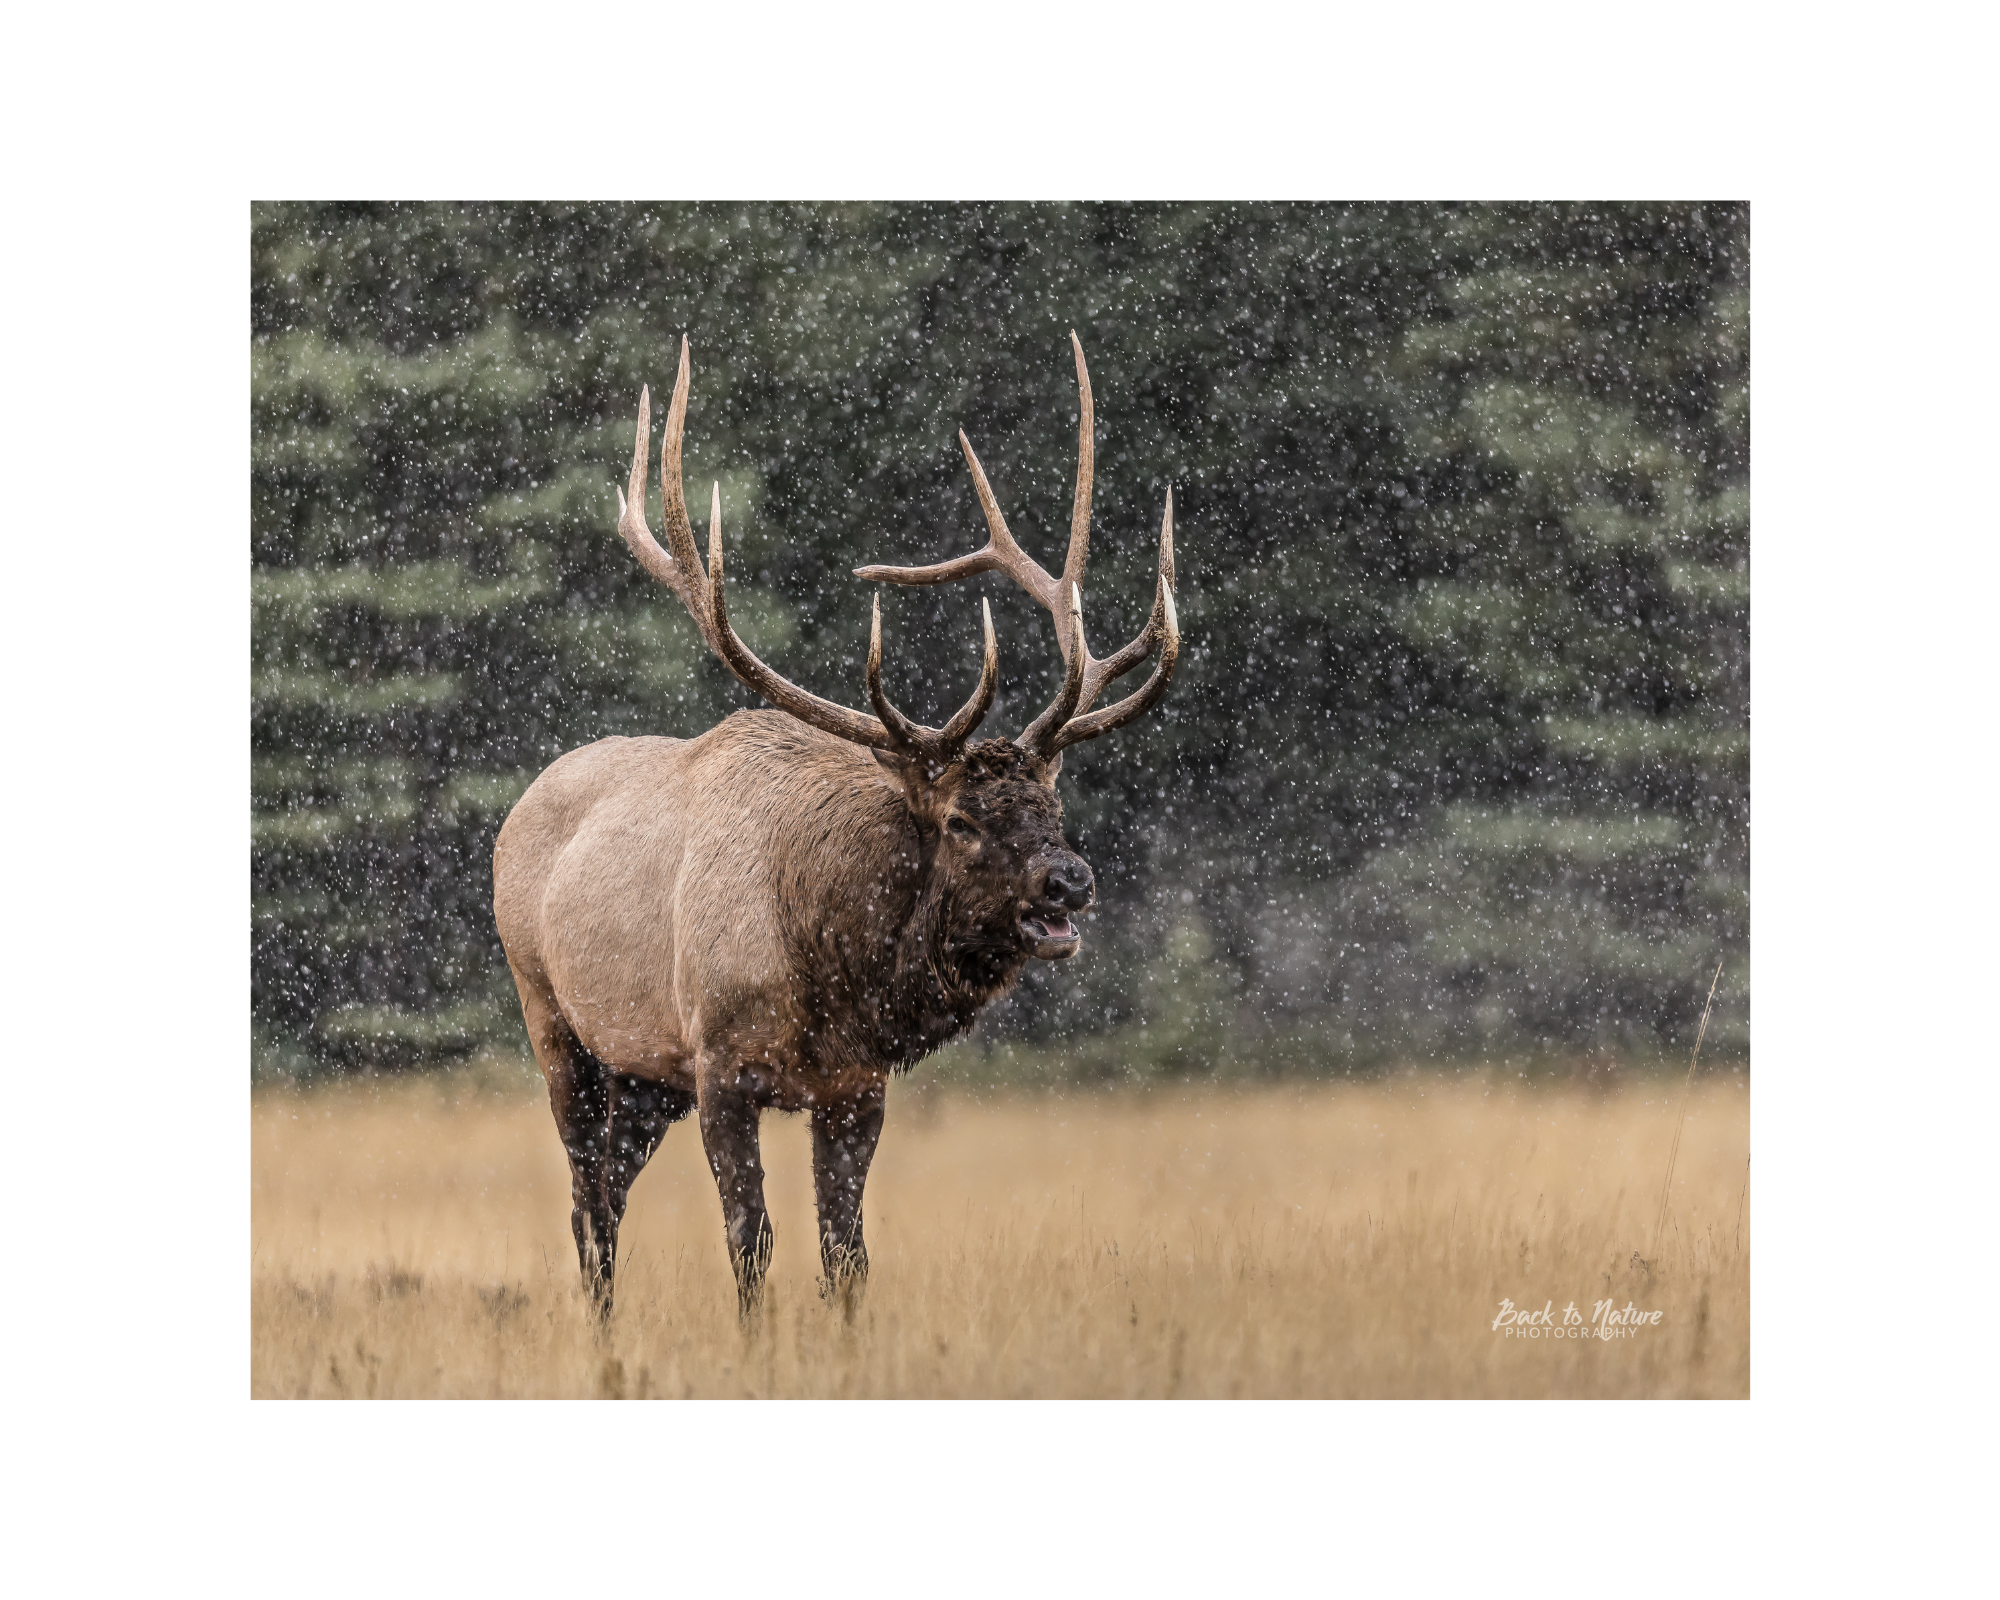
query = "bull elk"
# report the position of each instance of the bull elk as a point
(786, 910)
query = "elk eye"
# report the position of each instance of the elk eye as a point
(961, 827)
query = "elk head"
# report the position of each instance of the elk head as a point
(999, 877)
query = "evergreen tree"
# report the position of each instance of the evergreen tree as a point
(1457, 755)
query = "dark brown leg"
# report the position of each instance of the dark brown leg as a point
(844, 1139)
(641, 1112)
(729, 1136)
(579, 1095)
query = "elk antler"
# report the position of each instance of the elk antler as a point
(1064, 722)
(680, 571)
(702, 593)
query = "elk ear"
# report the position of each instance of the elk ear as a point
(1052, 769)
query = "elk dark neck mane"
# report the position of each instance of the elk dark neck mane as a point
(891, 962)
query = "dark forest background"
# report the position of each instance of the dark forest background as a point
(1456, 763)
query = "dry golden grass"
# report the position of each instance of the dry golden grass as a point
(412, 1239)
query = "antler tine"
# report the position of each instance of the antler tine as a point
(680, 532)
(1086, 450)
(1098, 673)
(1039, 735)
(632, 514)
(936, 747)
(634, 492)
(786, 696)
(1164, 625)
(1000, 553)
(908, 734)
(681, 571)
(973, 712)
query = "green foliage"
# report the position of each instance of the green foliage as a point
(1458, 753)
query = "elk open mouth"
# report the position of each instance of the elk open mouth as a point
(1051, 934)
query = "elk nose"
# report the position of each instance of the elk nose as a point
(1069, 883)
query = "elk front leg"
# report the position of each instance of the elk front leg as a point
(729, 1137)
(844, 1139)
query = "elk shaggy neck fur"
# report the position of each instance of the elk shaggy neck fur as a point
(895, 955)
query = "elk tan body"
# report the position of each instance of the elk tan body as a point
(734, 892)
(782, 912)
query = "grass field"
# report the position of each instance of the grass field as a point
(411, 1239)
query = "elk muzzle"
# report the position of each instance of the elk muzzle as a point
(1061, 884)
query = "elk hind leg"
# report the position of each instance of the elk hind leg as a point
(844, 1138)
(641, 1111)
(579, 1096)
